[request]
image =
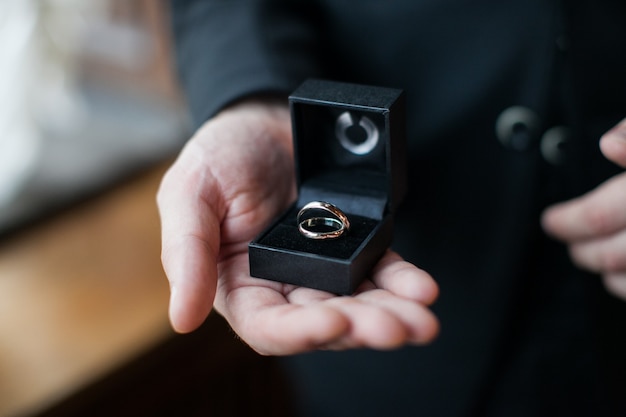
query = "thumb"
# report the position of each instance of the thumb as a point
(190, 239)
(613, 144)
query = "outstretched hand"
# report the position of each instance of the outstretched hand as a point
(230, 180)
(594, 225)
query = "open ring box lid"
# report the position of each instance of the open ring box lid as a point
(349, 145)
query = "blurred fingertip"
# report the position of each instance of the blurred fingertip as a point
(615, 284)
(613, 144)
(423, 290)
(549, 219)
(428, 332)
(429, 293)
(546, 218)
(331, 323)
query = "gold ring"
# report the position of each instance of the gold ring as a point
(320, 227)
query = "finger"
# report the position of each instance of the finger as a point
(370, 325)
(262, 316)
(192, 282)
(404, 279)
(616, 284)
(601, 255)
(378, 319)
(259, 313)
(613, 144)
(190, 241)
(419, 322)
(597, 213)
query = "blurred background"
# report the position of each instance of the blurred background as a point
(90, 119)
(87, 97)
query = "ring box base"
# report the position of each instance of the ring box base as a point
(338, 266)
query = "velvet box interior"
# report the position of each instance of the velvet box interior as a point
(349, 145)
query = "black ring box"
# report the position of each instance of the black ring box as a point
(366, 180)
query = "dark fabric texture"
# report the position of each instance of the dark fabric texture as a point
(524, 333)
(231, 49)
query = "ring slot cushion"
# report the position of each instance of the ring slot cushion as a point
(367, 187)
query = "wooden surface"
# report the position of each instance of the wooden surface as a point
(80, 294)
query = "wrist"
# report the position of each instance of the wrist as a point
(265, 114)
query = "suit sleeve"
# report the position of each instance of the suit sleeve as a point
(229, 49)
